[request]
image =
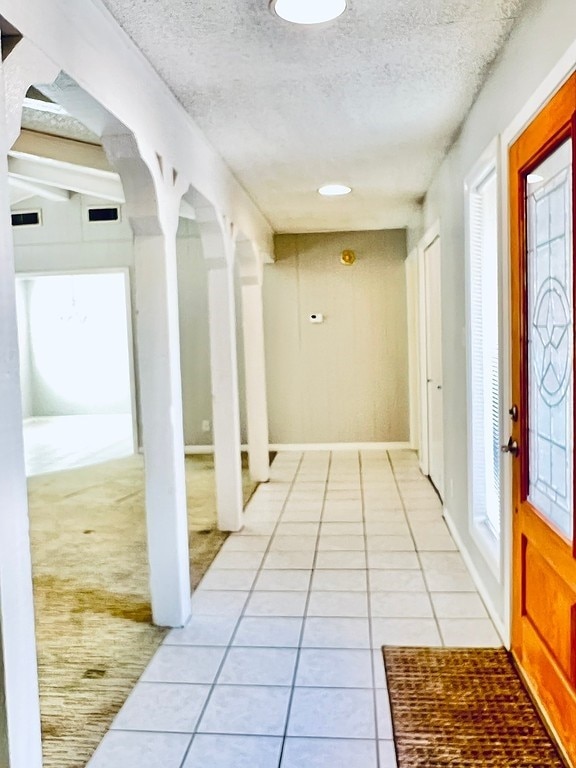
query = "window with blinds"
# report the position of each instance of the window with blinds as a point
(483, 359)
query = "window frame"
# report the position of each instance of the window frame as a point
(488, 542)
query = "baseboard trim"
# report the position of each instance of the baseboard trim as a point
(340, 446)
(498, 623)
(192, 450)
(195, 449)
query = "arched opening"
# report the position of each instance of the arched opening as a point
(198, 335)
(95, 569)
(100, 552)
(76, 282)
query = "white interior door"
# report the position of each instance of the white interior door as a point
(433, 288)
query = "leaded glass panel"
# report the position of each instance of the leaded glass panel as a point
(550, 337)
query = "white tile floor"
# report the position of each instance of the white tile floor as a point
(280, 665)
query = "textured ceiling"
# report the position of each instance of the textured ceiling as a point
(373, 99)
(57, 125)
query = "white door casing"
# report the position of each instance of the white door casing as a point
(432, 406)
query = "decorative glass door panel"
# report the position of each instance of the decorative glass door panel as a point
(550, 319)
(542, 210)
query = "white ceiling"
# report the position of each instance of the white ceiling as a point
(57, 125)
(372, 100)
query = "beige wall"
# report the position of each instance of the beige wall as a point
(345, 380)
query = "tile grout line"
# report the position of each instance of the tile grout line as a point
(239, 619)
(416, 549)
(366, 471)
(370, 631)
(303, 627)
(374, 486)
(431, 593)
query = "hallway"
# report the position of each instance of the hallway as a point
(280, 665)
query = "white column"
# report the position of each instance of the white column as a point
(255, 368)
(162, 431)
(153, 213)
(20, 739)
(217, 247)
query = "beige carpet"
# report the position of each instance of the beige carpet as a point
(91, 590)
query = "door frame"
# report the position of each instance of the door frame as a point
(431, 234)
(413, 321)
(539, 668)
(23, 275)
(489, 160)
(555, 79)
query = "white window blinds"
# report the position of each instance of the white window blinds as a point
(483, 340)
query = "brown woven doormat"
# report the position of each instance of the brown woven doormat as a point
(463, 707)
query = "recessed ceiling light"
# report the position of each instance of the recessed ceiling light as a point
(534, 178)
(334, 190)
(308, 11)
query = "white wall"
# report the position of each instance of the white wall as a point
(240, 355)
(413, 320)
(345, 380)
(75, 335)
(540, 39)
(194, 338)
(4, 757)
(66, 242)
(26, 383)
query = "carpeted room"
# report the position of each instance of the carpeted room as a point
(93, 619)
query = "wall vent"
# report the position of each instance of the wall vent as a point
(26, 219)
(104, 214)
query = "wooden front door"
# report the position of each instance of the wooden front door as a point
(542, 206)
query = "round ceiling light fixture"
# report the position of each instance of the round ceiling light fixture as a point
(334, 190)
(308, 11)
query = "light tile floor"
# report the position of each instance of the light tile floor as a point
(280, 666)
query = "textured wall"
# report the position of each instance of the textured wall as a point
(546, 31)
(346, 379)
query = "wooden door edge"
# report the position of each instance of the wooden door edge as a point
(551, 731)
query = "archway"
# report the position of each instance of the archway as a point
(110, 593)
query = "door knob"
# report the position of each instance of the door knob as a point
(511, 447)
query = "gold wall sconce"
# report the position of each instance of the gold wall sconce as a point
(348, 258)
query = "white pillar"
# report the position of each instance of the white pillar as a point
(162, 431)
(218, 253)
(154, 222)
(254, 363)
(20, 738)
